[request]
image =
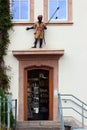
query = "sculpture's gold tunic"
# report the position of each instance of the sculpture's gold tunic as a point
(39, 34)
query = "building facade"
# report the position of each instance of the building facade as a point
(38, 74)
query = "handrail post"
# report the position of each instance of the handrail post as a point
(60, 111)
(0, 112)
(59, 114)
(15, 113)
(4, 102)
(82, 115)
(8, 104)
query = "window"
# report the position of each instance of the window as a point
(20, 10)
(58, 11)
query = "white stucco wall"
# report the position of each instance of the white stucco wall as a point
(73, 64)
(73, 39)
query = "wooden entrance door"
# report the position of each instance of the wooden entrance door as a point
(39, 96)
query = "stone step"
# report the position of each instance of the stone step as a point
(38, 125)
(80, 129)
(38, 128)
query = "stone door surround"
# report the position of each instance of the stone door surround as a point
(38, 58)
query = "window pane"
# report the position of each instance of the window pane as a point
(15, 9)
(20, 9)
(61, 13)
(24, 5)
(52, 8)
(63, 9)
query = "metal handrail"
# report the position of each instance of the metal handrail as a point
(81, 105)
(74, 110)
(65, 100)
(7, 105)
(74, 98)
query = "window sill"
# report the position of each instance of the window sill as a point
(49, 24)
(60, 23)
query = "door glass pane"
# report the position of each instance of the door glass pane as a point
(38, 94)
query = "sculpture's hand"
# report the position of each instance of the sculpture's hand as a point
(27, 28)
(45, 27)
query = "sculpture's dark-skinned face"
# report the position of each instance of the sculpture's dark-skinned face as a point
(40, 19)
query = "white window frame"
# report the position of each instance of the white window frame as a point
(58, 20)
(21, 20)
